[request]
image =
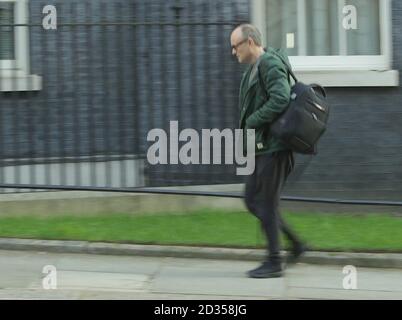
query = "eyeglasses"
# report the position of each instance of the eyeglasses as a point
(234, 47)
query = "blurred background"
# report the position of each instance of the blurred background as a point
(76, 103)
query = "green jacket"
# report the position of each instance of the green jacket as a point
(258, 109)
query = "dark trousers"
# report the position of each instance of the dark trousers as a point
(262, 195)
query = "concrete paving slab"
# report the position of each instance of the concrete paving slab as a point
(88, 276)
(22, 269)
(107, 263)
(214, 277)
(340, 294)
(331, 277)
(40, 294)
(35, 294)
(80, 280)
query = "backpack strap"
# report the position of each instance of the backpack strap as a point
(288, 67)
(261, 80)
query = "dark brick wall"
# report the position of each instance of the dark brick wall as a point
(106, 87)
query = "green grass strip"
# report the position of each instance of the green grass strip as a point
(372, 232)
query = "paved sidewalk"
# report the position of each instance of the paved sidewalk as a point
(375, 260)
(92, 276)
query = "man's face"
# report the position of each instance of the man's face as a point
(240, 46)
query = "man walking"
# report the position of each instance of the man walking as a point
(264, 95)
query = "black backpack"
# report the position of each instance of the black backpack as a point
(302, 124)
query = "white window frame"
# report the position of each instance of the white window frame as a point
(15, 74)
(342, 70)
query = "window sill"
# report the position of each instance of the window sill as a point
(347, 78)
(31, 82)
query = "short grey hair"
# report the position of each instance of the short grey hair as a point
(250, 31)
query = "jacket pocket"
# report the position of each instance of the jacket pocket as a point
(261, 138)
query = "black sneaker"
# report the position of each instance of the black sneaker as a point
(297, 251)
(267, 270)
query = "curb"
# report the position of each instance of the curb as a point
(373, 260)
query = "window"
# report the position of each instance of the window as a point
(7, 32)
(14, 48)
(320, 46)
